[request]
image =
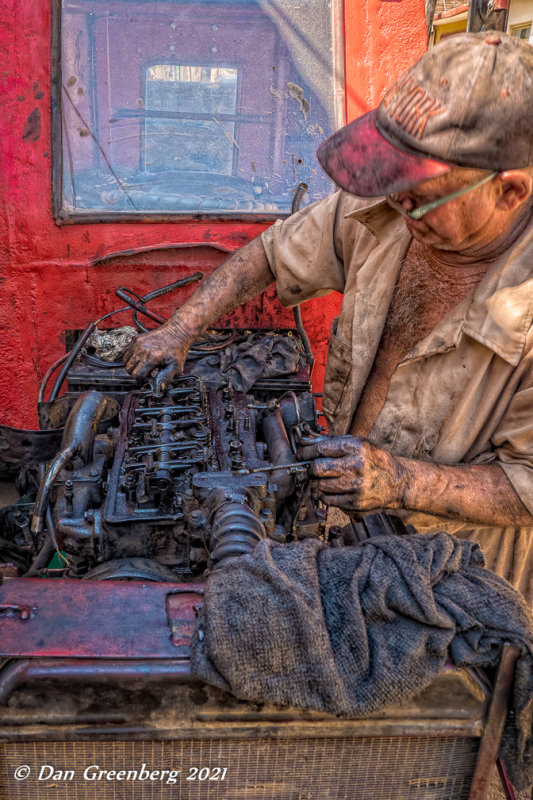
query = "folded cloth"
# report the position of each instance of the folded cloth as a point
(356, 629)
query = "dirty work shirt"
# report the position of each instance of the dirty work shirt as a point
(462, 395)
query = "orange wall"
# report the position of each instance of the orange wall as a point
(47, 283)
(382, 38)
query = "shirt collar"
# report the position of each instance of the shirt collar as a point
(501, 311)
(499, 314)
(377, 216)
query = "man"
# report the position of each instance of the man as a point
(429, 386)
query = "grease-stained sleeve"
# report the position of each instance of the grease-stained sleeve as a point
(513, 438)
(305, 251)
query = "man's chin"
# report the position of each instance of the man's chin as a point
(424, 234)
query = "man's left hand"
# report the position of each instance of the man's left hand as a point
(353, 474)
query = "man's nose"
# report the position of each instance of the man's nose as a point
(407, 202)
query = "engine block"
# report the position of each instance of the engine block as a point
(181, 481)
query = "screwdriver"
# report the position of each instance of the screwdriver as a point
(295, 467)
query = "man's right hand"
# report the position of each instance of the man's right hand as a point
(245, 274)
(164, 349)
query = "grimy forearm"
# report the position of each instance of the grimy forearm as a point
(479, 494)
(244, 275)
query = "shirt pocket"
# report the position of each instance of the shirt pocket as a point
(336, 402)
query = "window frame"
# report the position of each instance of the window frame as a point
(519, 26)
(63, 215)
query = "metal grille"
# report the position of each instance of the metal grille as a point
(385, 768)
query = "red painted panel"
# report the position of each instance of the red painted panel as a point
(57, 618)
(46, 282)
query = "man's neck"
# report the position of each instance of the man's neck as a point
(484, 255)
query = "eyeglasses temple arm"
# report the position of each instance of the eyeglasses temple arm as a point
(421, 210)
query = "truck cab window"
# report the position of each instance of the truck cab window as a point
(193, 127)
(205, 108)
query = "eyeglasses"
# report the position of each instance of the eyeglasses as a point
(419, 212)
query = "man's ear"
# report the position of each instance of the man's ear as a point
(516, 187)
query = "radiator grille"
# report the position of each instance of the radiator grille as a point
(385, 768)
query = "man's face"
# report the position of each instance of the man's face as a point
(467, 222)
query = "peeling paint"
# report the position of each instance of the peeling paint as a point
(278, 94)
(32, 127)
(297, 93)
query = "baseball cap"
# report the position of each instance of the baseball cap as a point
(468, 102)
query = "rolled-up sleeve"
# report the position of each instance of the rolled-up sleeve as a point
(513, 439)
(303, 252)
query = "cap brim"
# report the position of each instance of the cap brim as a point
(359, 159)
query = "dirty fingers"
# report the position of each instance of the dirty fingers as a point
(163, 349)
(354, 474)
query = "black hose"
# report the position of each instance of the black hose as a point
(122, 292)
(196, 276)
(44, 556)
(50, 544)
(298, 196)
(304, 337)
(70, 360)
(296, 203)
(48, 375)
(140, 327)
(96, 361)
(138, 303)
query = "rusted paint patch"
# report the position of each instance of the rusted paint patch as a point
(32, 127)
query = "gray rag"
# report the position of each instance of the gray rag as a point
(241, 365)
(353, 630)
